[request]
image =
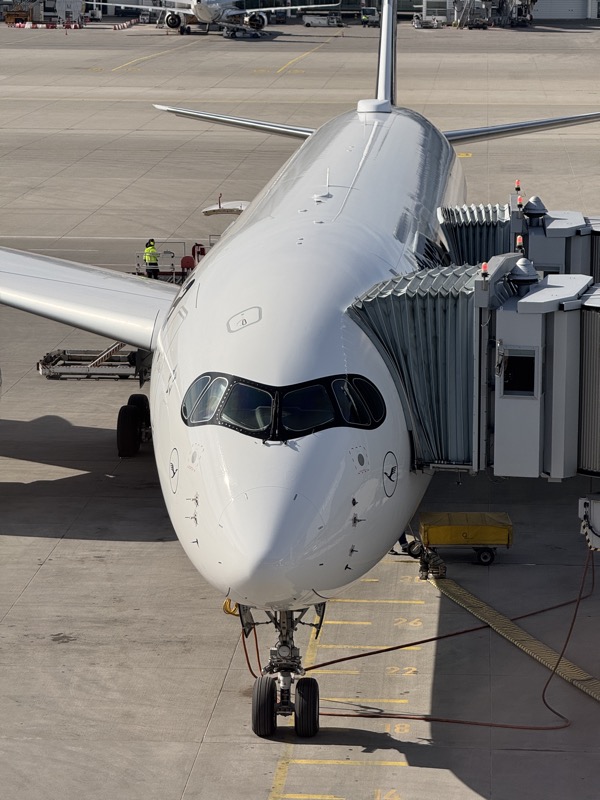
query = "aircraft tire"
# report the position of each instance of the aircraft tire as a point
(141, 402)
(129, 431)
(264, 701)
(306, 708)
(188, 30)
(181, 30)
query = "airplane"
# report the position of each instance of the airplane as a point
(224, 13)
(280, 440)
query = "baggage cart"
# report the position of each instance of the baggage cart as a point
(482, 531)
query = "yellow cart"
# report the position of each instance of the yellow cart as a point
(483, 531)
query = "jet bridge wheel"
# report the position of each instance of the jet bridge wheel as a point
(129, 431)
(306, 707)
(264, 702)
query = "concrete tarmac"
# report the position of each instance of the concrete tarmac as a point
(119, 675)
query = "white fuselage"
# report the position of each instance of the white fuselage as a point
(212, 11)
(286, 524)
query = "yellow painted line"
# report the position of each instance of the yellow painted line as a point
(152, 55)
(524, 641)
(362, 700)
(281, 773)
(369, 580)
(362, 647)
(311, 797)
(464, 155)
(308, 52)
(340, 762)
(397, 602)
(336, 672)
(344, 622)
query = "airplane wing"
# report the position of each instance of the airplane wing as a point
(295, 131)
(309, 6)
(517, 128)
(126, 308)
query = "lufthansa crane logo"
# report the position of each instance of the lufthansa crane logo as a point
(390, 473)
(174, 470)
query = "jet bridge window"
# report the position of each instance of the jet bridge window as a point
(519, 373)
(278, 413)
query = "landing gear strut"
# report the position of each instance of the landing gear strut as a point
(272, 696)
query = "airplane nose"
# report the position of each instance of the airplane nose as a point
(269, 531)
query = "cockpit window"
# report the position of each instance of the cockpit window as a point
(206, 406)
(305, 409)
(352, 407)
(193, 393)
(278, 413)
(372, 398)
(248, 408)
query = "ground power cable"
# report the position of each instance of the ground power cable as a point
(376, 714)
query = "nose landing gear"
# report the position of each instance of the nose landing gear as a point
(273, 696)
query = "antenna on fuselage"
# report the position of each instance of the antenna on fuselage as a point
(386, 67)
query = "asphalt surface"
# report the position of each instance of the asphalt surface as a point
(119, 674)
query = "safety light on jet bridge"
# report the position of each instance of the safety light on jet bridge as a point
(520, 203)
(484, 270)
(520, 247)
(518, 186)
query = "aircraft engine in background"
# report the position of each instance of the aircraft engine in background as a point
(257, 20)
(173, 21)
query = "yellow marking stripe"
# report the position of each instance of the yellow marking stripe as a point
(524, 641)
(153, 55)
(347, 763)
(394, 602)
(336, 672)
(311, 797)
(308, 52)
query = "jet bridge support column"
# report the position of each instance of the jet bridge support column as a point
(536, 405)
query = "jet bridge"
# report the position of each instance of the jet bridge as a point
(495, 352)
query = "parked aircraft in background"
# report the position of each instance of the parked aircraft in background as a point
(232, 17)
(280, 439)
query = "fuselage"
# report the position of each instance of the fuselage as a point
(285, 481)
(212, 11)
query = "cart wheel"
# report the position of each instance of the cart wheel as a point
(415, 549)
(485, 555)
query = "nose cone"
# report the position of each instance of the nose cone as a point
(269, 531)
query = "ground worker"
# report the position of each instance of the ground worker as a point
(364, 20)
(151, 259)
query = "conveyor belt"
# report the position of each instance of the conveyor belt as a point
(524, 641)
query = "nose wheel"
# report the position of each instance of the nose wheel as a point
(264, 702)
(306, 708)
(272, 696)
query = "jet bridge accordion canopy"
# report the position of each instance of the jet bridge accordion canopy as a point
(423, 326)
(475, 233)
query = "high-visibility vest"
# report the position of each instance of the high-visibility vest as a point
(151, 256)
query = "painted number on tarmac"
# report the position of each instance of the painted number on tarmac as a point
(413, 623)
(389, 794)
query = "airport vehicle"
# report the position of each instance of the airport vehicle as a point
(373, 16)
(224, 13)
(279, 433)
(331, 20)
